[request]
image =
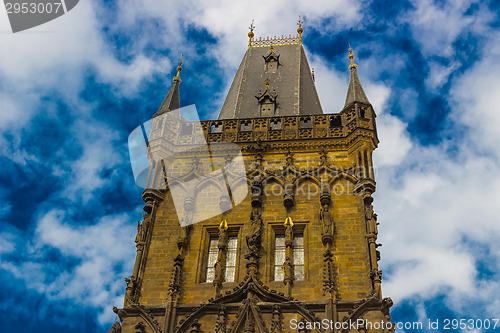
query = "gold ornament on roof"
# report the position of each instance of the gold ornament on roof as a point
(267, 83)
(300, 30)
(250, 34)
(351, 56)
(179, 69)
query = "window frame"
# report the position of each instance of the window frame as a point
(209, 232)
(264, 105)
(299, 228)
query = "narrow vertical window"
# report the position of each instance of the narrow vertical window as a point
(232, 245)
(279, 257)
(213, 251)
(298, 257)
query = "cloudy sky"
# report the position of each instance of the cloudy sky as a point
(73, 89)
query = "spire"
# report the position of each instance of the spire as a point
(355, 92)
(283, 62)
(171, 102)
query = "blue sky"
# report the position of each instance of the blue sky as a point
(73, 89)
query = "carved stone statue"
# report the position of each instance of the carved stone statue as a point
(287, 270)
(130, 290)
(288, 233)
(252, 245)
(130, 283)
(253, 241)
(218, 272)
(326, 220)
(369, 212)
(223, 237)
(146, 220)
(371, 219)
(323, 157)
(140, 233)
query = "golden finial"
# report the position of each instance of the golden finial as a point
(179, 69)
(267, 83)
(250, 34)
(223, 224)
(272, 48)
(351, 56)
(300, 30)
(288, 221)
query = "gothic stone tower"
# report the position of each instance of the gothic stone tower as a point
(300, 248)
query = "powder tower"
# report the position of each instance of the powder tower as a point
(283, 241)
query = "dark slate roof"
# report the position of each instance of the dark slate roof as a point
(171, 102)
(355, 92)
(292, 83)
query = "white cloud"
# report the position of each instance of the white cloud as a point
(475, 99)
(7, 243)
(436, 25)
(70, 43)
(437, 205)
(439, 74)
(431, 203)
(394, 141)
(330, 84)
(54, 58)
(103, 250)
(99, 152)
